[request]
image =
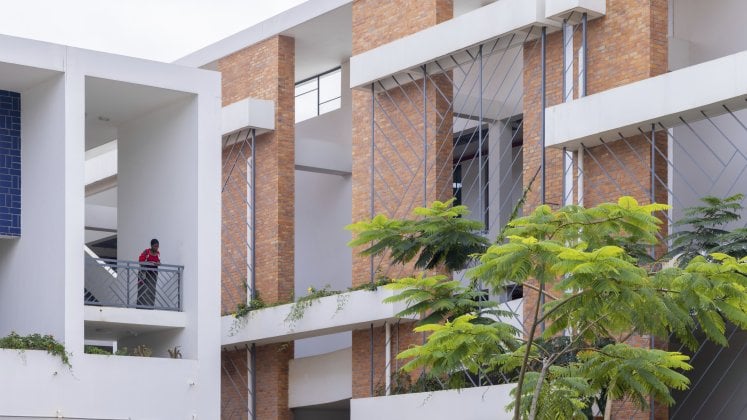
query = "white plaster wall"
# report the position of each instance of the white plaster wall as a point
(32, 268)
(705, 30)
(320, 379)
(101, 387)
(323, 207)
(42, 274)
(332, 132)
(101, 162)
(483, 403)
(157, 196)
(190, 133)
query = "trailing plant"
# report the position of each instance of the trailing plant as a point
(595, 284)
(371, 287)
(243, 309)
(35, 342)
(96, 350)
(300, 306)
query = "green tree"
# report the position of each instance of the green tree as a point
(597, 290)
(703, 230)
(439, 234)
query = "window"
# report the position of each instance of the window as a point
(318, 95)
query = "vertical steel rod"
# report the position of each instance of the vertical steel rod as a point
(542, 145)
(564, 200)
(565, 59)
(371, 171)
(253, 364)
(479, 149)
(542, 112)
(425, 137)
(582, 87)
(652, 343)
(371, 379)
(254, 216)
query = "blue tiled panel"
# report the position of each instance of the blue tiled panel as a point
(10, 163)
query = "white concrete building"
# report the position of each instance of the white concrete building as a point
(126, 149)
(472, 99)
(334, 111)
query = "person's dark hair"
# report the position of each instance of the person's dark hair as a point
(153, 242)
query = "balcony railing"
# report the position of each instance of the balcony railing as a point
(128, 284)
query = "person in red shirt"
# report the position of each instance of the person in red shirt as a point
(149, 260)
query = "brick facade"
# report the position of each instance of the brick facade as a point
(10, 164)
(265, 70)
(399, 149)
(626, 45)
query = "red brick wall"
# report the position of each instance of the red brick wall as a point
(233, 383)
(626, 45)
(399, 116)
(272, 381)
(266, 71)
(378, 22)
(234, 226)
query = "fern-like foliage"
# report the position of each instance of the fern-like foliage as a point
(702, 230)
(592, 266)
(438, 299)
(460, 345)
(439, 234)
(634, 372)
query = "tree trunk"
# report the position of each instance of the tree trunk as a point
(538, 389)
(608, 406)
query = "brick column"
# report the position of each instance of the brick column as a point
(627, 45)
(377, 22)
(266, 70)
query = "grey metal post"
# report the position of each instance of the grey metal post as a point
(542, 111)
(127, 286)
(582, 87)
(653, 248)
(565, 58)
(563, 179)
(371, 379)
(180, 273)
(479, 148)
(253, 367)
(254, 215)
(542, 141)
(425, 137)
(371, 170)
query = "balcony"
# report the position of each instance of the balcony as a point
(485, 402)
(328, 315)
(127, 284)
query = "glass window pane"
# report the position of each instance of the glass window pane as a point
(329, 106)
(306, 86)
(306, 106)
(330, 86)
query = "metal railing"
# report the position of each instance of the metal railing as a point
(128, 284)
